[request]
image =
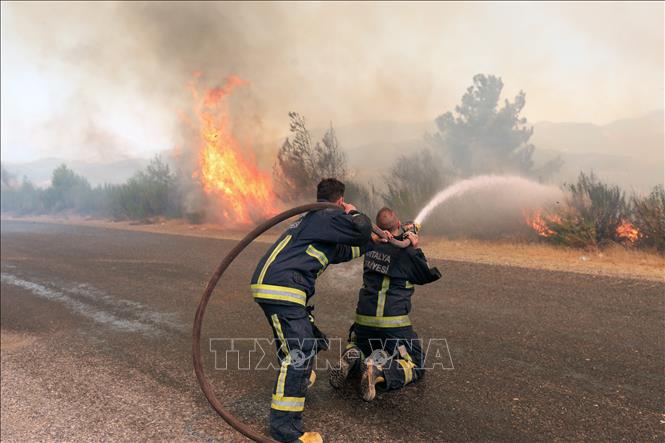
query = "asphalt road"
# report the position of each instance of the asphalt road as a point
(96, 333)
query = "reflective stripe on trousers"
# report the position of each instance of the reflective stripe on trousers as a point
(396, 321)
(279, 293)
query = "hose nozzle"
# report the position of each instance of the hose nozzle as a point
(411, 227)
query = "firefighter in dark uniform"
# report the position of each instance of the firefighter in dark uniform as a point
(382, 342)
(283, 283)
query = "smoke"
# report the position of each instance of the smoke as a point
(136, 58)
(109, 80)
(339, 62)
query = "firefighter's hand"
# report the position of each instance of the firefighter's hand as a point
(348, 207)
(378, 239)
(413, 238)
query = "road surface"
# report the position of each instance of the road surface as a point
(96, 332)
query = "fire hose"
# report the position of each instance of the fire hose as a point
(206, 387)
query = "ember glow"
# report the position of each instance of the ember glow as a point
(628, 232)
(227, 169)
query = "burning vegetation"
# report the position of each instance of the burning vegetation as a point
(627, 231)
(540, 224)
(226, 170)
(595, 214)
(218, 179)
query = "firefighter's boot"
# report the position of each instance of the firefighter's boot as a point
(310, 437)
(372, 375)
(350, 358)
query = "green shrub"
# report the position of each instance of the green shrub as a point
(411, 183)
(68, 192)
(649, 218)
(149, 193)
(22, 199)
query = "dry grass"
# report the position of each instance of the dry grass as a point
(616, 261)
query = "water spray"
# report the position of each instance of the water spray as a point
(471, 184)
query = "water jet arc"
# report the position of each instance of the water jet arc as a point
(470, 184)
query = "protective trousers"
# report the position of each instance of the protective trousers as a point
(297, 341)
(405, 363)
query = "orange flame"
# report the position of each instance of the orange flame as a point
(628, 232)
(539, 223)
(225, 168)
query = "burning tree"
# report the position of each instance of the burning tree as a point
(300, 166)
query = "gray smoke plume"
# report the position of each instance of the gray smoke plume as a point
(117, 73)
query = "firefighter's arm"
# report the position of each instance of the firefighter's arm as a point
(420, 273)
(352, 229)
(344, 253)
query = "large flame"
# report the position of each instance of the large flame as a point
(628, 232)
(227, 169)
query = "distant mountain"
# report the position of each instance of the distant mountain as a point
(639, 137)
(40, 171)
(628, 152)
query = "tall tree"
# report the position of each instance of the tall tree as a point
(329, 158)
(483, 137)
(300, 165)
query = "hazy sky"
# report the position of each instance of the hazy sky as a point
(104, 81)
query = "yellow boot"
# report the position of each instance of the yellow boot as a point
(311, 437)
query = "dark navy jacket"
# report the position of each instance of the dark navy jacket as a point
(388, 277)
(287, 272)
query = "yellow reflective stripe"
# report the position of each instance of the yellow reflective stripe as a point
(408, 285)
(320, 256)
(272, 257)
(284, 289)
(290, 404)
(381, 301)
(283, 370)
(355, 251)
(396, 321)
(283, 346)
(408, 370)
(280, 293)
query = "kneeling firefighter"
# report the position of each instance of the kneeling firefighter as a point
(382, 342)
(283, 283)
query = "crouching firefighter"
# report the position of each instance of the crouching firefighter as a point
(282, 285)
(382, 343)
